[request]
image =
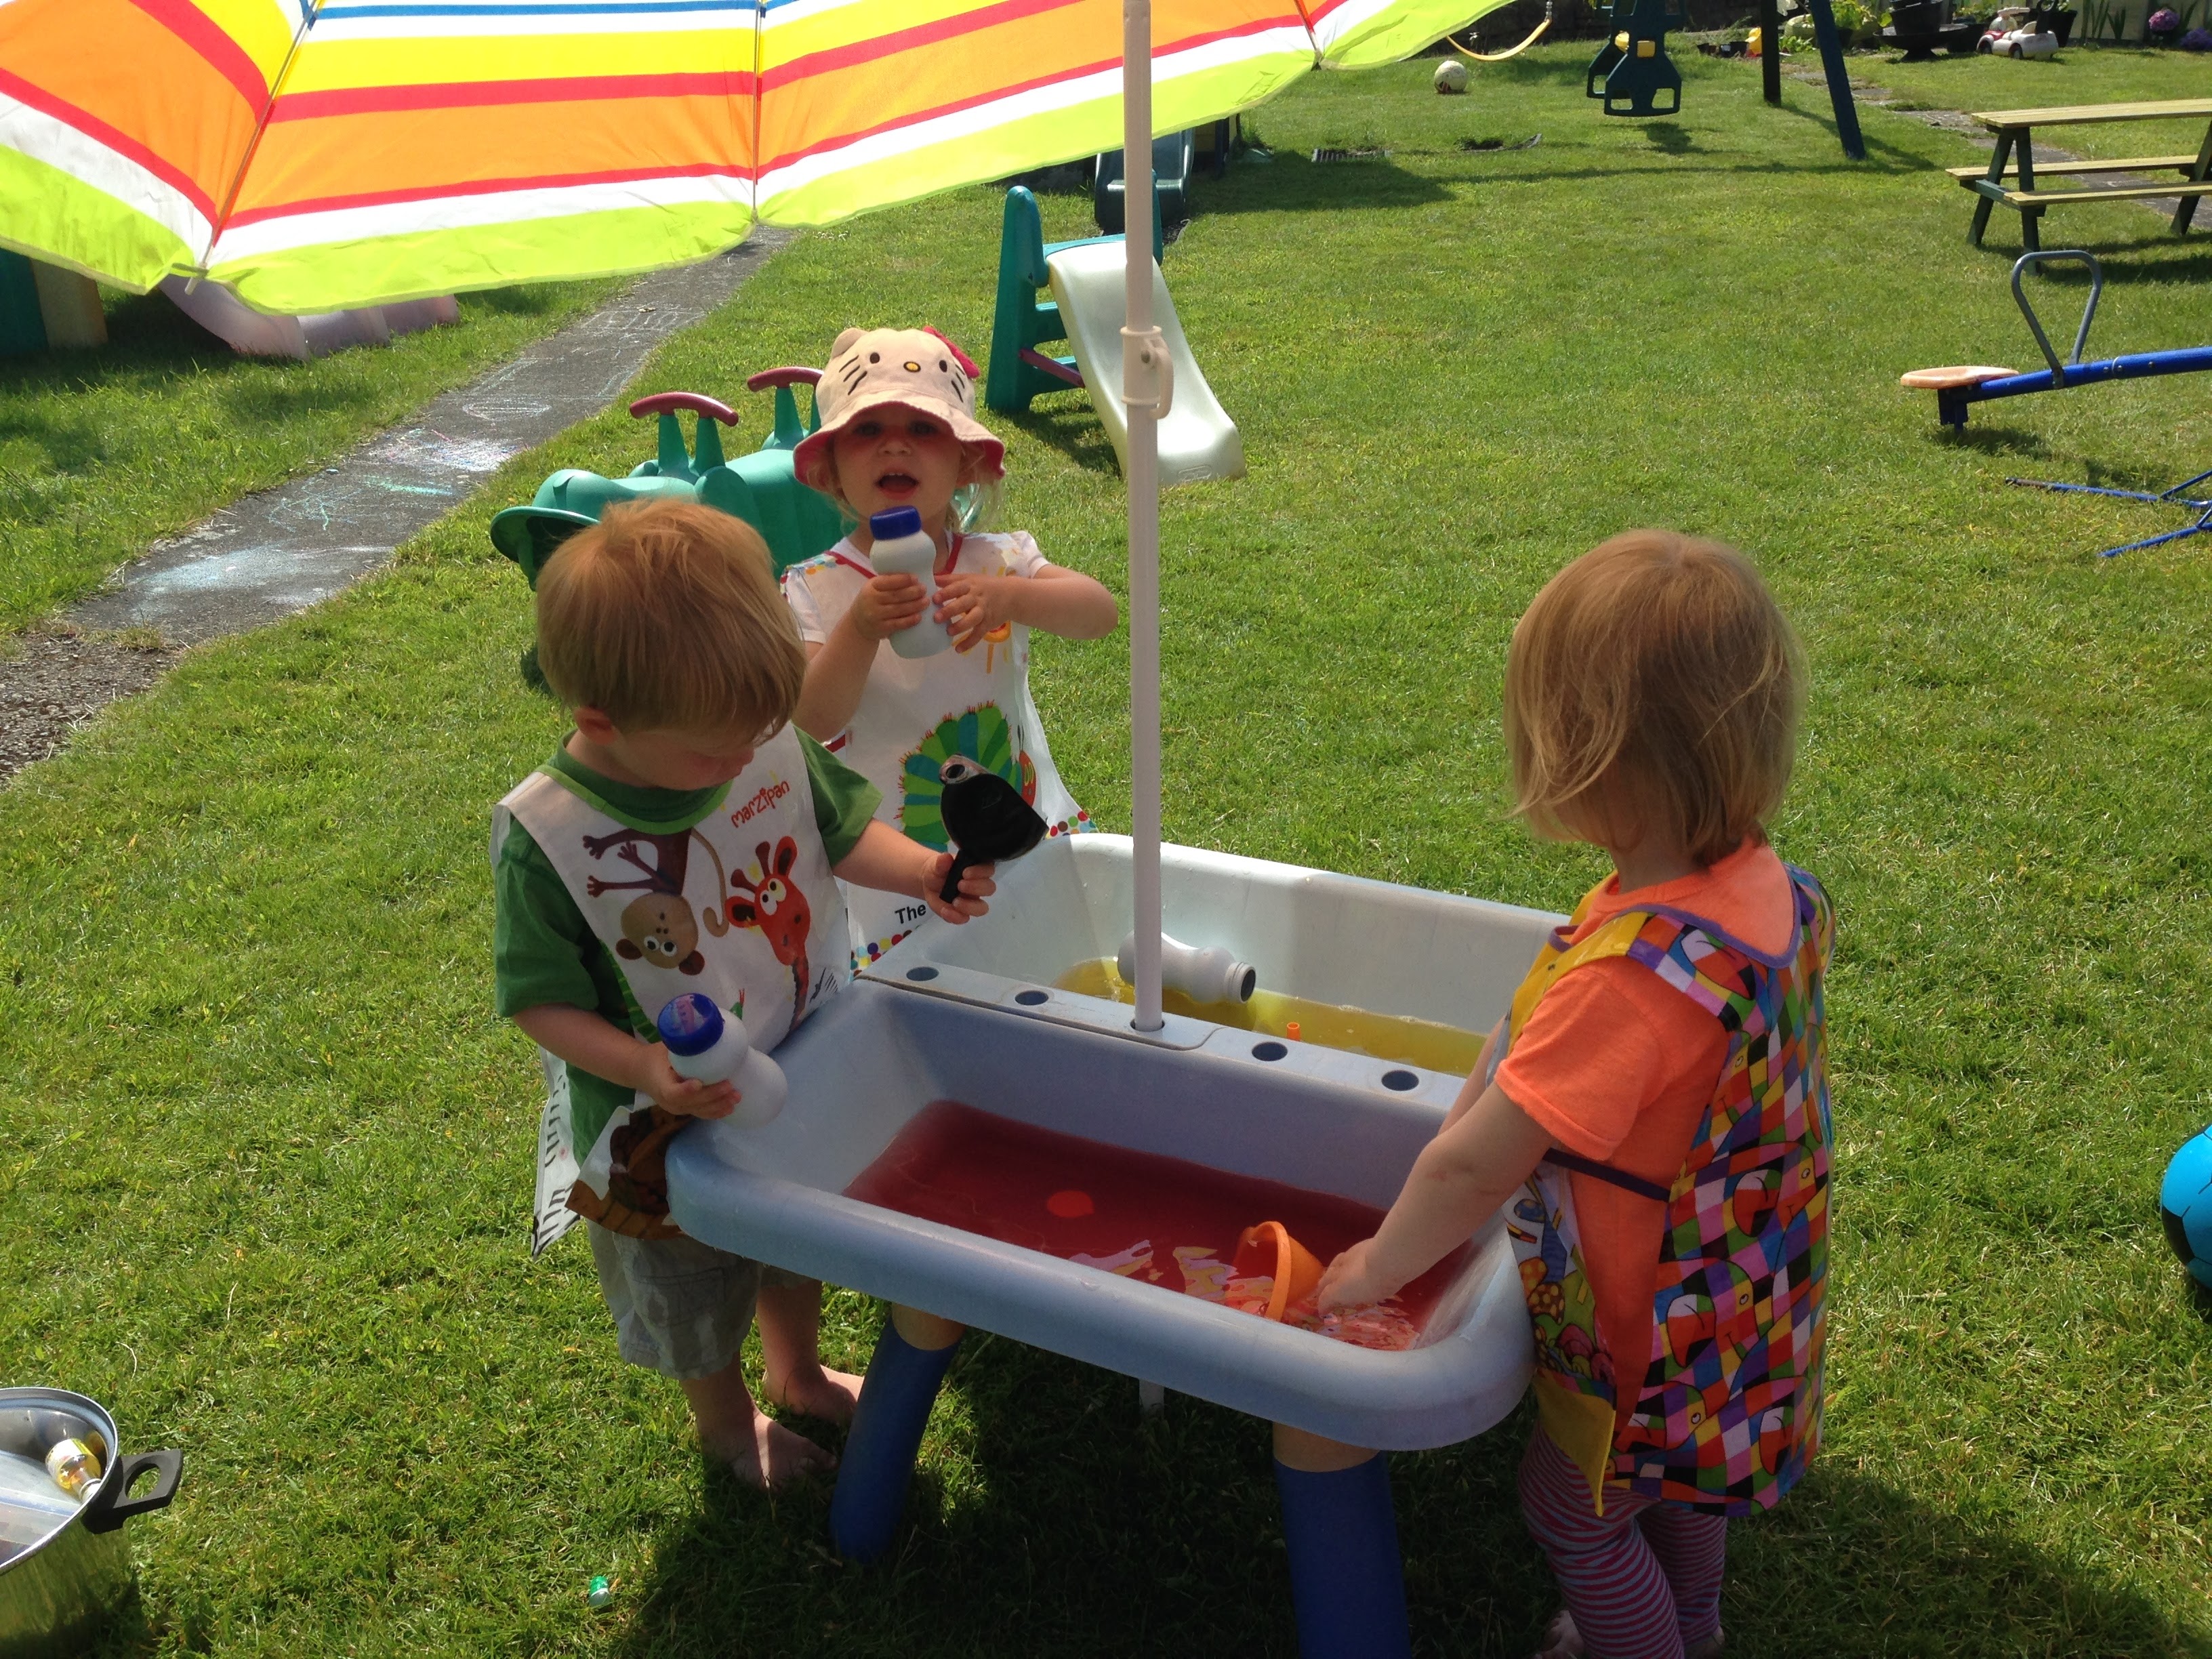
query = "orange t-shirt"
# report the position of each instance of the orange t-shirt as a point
(1619, 1067)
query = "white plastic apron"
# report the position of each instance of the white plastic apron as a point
(917, 713)
(739, 905)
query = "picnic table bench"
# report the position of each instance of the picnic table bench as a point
(2010, 177)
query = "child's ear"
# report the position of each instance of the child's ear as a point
(593, 724)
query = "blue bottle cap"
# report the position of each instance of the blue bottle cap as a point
(690, 1024)
(897, 522)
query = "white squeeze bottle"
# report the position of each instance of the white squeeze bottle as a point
(902, 549)
(1209, 975)
(705, 1043)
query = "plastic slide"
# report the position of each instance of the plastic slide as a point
(256, 334)
(1197, 439)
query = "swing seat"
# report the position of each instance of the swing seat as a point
(1954, 377)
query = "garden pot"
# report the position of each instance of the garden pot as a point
(64, 1565)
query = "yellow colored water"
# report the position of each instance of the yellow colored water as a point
(1410, 1042)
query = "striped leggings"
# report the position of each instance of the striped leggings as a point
(1643, 1580)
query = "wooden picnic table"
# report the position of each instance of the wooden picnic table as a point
(2015, 160)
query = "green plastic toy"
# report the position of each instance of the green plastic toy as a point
(1021, 322)
(796, 522)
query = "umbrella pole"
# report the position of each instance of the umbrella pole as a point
(1143, 386)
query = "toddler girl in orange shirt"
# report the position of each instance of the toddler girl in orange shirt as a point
(1653, 1114)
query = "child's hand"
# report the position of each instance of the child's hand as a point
(681, 1096)
(972, 606)
(887, 604)
(1349, 1281)
(975, 885)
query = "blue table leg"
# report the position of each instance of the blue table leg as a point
(877, 1466)
(1347, 1586)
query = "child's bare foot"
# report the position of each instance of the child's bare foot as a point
(815, 1390)
(771, 1455)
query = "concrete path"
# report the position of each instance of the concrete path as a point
(280, 550)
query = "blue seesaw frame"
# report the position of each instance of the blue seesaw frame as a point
(1952, 401)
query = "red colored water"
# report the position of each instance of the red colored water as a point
(1161, 1220)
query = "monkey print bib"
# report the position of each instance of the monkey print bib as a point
(918, 713)
(738, 904)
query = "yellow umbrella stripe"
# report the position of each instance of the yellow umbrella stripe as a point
(341, 65)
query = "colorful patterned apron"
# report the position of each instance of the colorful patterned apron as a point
(737, 904)
(917, 713)
(1726, 1413)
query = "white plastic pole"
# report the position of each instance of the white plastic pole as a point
(1141, 382)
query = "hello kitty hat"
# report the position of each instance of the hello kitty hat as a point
(915, 368)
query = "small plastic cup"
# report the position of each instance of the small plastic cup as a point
(1269, 1249)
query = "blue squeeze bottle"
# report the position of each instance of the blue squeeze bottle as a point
(902, 549)
(707, 1044)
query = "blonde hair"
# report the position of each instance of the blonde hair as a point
(666, 616)
(1654, 687)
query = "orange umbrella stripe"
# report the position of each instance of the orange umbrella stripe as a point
(198, 129)
(351, 160)
(925, 86)
(834, 100)
(223, 54)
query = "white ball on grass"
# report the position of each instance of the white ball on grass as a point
(1451, 75)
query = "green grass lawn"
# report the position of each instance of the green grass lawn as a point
(266, 1155)
(102, 452)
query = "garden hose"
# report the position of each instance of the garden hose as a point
(1511, 51)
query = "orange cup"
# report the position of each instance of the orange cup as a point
(1269, 1249)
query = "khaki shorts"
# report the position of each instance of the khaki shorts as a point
(680, 1307)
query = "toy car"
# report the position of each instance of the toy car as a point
(2025, 43)
(2015, 31)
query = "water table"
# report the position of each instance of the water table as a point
(956, 1023)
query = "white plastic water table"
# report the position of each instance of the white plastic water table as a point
(971, 1014)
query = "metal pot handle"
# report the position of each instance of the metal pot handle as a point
(109, 1508)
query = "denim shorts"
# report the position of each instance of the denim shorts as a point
(680, 1307)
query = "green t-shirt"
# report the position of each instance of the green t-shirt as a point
(545, 951)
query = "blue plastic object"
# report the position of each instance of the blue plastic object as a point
(2185, 1204)
(897, 522)
(878, 1466)
(1952, 400)
(690, 1024)
(1347, 1587)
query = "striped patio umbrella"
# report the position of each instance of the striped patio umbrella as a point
(315, 154)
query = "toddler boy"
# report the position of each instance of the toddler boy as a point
(684, 838)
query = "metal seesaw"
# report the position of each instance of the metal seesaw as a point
(1961, 384)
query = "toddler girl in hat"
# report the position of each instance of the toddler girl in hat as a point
(899, 430)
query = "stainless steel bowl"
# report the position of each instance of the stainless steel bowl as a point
(65, 1565)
